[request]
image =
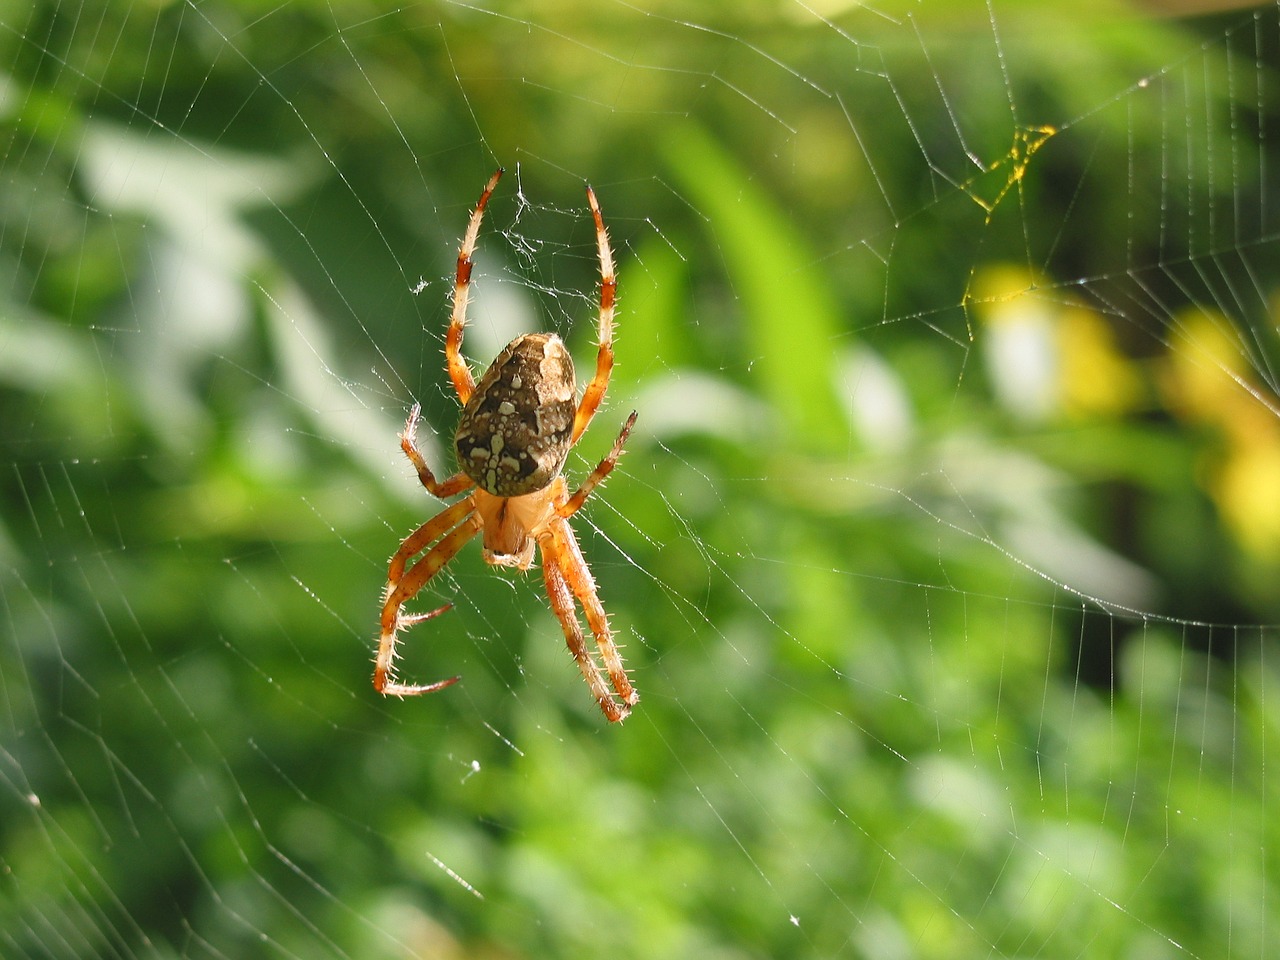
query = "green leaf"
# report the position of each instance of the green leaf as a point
(791, 326)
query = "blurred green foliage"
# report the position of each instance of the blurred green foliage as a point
(942, 652)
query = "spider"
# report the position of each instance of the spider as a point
(517, 426)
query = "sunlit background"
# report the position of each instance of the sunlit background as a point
(944, 556)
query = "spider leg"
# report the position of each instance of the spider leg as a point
(420, 539)
(562, 604)
(459, 372)
(461, 522)
(602, 470)
(409, 444)
(594, 393)
(560, 550)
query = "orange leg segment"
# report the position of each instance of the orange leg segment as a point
(463, 382)
(461, 522)
(602, 470)
(409, 444)
(567, 572)
(561, 598)
(594, 393)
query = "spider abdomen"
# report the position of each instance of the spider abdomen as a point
(515, 431)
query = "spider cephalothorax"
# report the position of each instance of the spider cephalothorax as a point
(517, 426)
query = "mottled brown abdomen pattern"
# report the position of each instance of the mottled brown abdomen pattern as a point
(515, 431)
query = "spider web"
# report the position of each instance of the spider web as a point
(944, 555)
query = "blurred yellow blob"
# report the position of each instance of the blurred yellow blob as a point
(1051, 358)
(1246, 488)
(1047, 356)
(1199, 371)
(1097, 378)
(1206, 379)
